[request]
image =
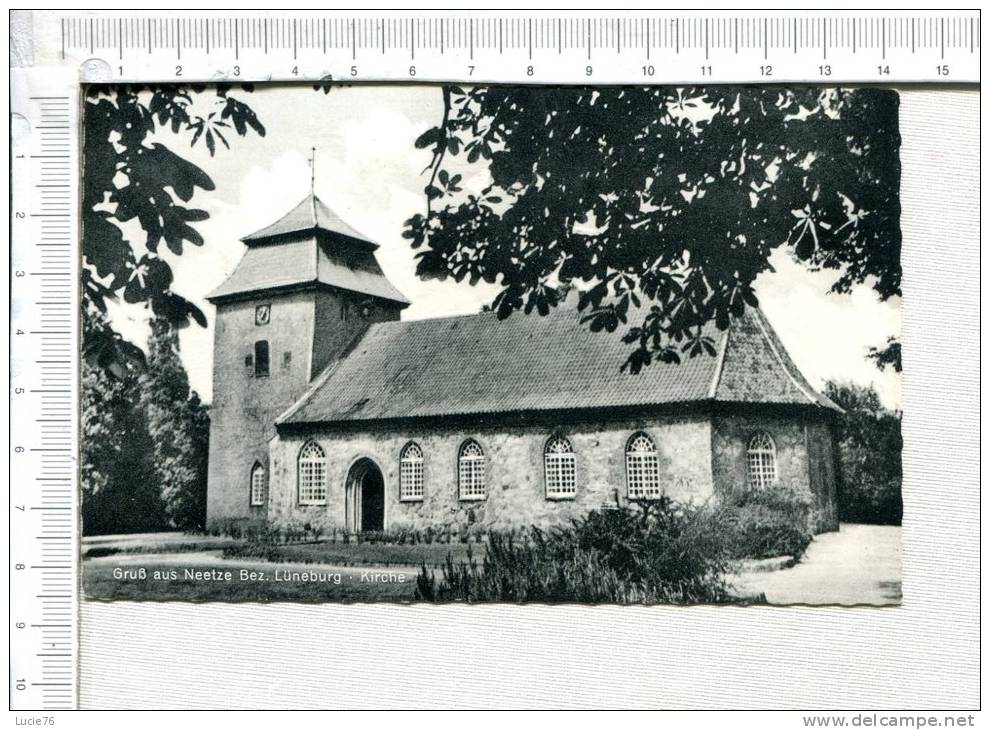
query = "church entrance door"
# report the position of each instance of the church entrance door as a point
(365, 498)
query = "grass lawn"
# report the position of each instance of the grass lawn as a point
(92, 549)
(196, 569)
(366, 553)
(210, 577)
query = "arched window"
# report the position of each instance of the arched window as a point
(558, 468)
(471, 470)
(312, 474)
(411, 472)
(257, 485)
(261, 359)
(642, 468)
(761, 456)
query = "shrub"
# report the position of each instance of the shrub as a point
(868, 438)
(658, 553)
(767, 523)
(267, 551)
(238, 528)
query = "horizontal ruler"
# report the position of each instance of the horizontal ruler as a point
(529, 48)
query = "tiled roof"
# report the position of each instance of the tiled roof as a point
(478, 364)
(311, 214)
(757, 368)
(269, 267)
(294, 252)
(307, 261)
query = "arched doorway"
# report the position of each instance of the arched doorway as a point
(365, 497)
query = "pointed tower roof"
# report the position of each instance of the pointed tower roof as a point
(308, 247)
(312, 214)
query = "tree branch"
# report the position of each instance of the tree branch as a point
(440, 151)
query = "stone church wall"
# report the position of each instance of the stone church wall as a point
(514, 476)
(245, 407)
(805, 458)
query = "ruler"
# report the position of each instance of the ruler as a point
(611, 48)
(43, 334)
(622, 47)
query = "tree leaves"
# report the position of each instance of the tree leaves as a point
(660, 198)
(242, 117)
(161, 165)
(105, 249)
(869, 444)
(428, 138)
(124, 127)
(179, 429)
(887, 356)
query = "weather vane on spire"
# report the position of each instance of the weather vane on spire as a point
(312, 171)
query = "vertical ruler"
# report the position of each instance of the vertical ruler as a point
(43, 383)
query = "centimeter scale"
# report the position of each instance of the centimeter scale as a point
(66, 50)
(43, 387)
(617, 48)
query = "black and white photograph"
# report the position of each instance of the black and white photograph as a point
(491, 343)
(495, 359)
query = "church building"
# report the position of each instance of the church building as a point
(331, 411)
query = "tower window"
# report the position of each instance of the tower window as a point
(261, 358)
(257, 485)
(286, 359)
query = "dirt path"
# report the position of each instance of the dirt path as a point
(859, 564)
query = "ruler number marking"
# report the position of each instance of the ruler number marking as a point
(41, 400)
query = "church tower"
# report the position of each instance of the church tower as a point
(306, 288)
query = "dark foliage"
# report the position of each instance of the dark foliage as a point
(766, 523)
(663, 200)
(144, 439)
(119, 485)
(870, 444)
(178, 424)
(665, 554)
(130, 175)
(887, 356)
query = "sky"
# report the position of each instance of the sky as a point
(369, 172)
